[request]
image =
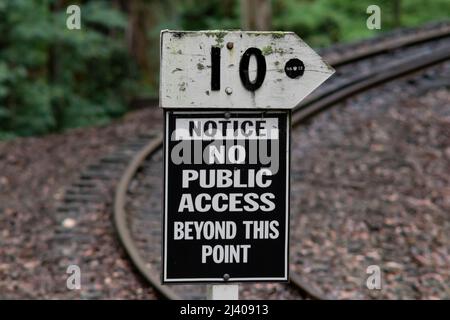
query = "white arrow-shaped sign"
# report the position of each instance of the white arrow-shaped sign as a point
(237, 69)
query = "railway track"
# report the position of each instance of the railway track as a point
(330, 95)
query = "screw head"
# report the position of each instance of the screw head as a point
(230, 45)
(227, 115)
(226, 277)
(228, 90)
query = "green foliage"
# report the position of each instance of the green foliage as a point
(52, 78)
(203, 15)
(319, 22)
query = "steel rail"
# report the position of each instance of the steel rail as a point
(121, 224)
(390, 71)
(389, 45)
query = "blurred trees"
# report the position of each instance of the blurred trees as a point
(52, 78)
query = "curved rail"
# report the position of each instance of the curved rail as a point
(302, 112)
(121, 222)
(389, 45)
(360, 83)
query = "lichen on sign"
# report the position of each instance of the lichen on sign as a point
(187, 68)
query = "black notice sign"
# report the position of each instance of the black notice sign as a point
(226, 196)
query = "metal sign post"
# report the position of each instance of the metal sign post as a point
(227, 99)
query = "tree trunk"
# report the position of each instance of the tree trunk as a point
(53, 73)
(256, 14)
(143, 17)
(397, 13)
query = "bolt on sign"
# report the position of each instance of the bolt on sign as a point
(227, 99)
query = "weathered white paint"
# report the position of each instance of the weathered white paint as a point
(185, 78)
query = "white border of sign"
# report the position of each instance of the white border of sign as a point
(288, 169)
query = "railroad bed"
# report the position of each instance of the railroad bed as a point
(369, 186)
